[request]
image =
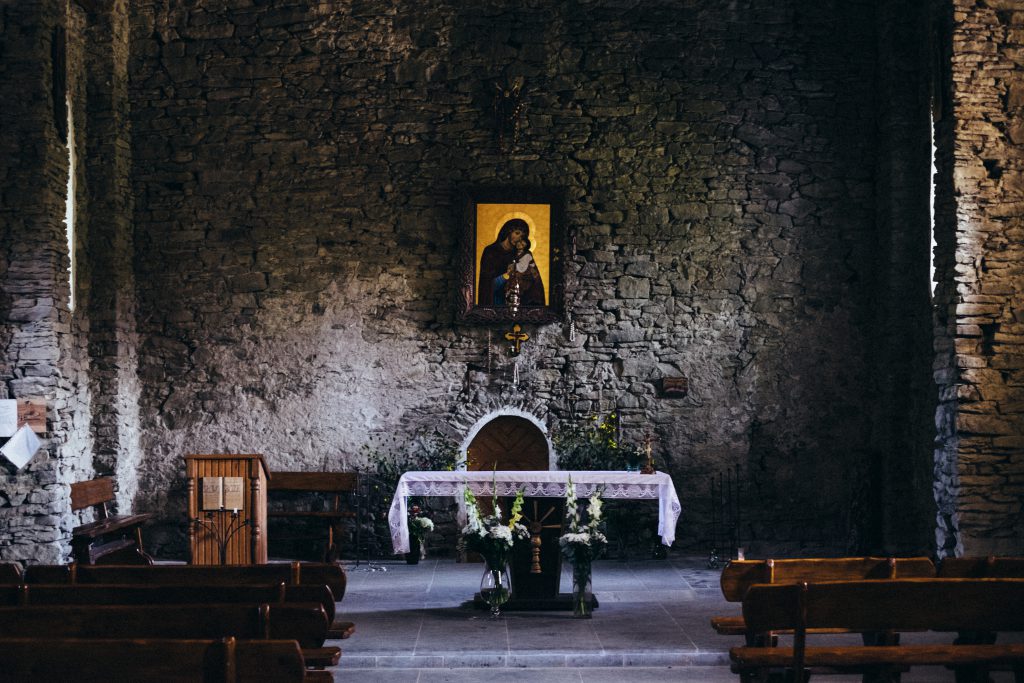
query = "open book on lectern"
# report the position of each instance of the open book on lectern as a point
(222, 493)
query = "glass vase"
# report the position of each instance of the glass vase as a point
(582, 593)
(495, 588)
(413, 556)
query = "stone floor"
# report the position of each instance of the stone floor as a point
(414, 623)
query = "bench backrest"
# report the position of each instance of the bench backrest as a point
(739, 575)
(303, 622)
(899, 605)
(10, 573)
(137, 594)
(982, 567)
(980, 605)
(294, 573)
(325, 482)
(168, 594)
(96, 492)
(171, 661)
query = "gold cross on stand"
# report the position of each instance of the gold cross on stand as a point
(536, 524)
(517, 337)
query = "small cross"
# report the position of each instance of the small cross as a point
(517, 337)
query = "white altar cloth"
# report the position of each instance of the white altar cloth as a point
(537, 483)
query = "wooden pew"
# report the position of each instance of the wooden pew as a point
(982, 567)
(29, 660)
(293, 574)
(302, 622)
(739, 575)
(332, 486)
(10, 573)
(943, 605)
(148, 594)
(110, 537)
(302, 579)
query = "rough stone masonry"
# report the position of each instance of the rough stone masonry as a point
(270, 220)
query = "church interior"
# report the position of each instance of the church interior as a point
(772, 250)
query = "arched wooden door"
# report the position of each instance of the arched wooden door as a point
(510, 442)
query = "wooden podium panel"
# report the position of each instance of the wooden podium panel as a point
(222, 536)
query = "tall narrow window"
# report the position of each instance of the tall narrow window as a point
(69, 209)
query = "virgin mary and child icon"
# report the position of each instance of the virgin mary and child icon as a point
(509, 260)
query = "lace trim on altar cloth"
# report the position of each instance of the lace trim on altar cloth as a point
(538, 489)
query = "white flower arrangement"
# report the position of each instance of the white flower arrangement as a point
(583, 541)
(488, 534)
(419, 526)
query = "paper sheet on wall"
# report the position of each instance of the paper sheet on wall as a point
(8, 417)
(22, 446)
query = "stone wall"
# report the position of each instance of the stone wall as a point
(269, 214)
(297, 169)
(980, 321)
(42, 354)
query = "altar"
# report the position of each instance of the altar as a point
(614, 485)
(536, 576)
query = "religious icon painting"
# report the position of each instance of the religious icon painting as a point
(512, 251)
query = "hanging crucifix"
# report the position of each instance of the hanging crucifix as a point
(517, 337)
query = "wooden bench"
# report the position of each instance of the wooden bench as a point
(739, 575)
(302, 622)
(10, 572)
(943, 605)
(334, 487)
(112, 538)
(152, 594)
(292, 573)
(306, 579)
(982, 567)
(227, 660)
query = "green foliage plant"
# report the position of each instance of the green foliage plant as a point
(594, 445)
(383, 465)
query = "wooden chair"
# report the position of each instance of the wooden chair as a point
(227, 660)
(943, 605)
(111, 538)
(739, 575)
(338, 490)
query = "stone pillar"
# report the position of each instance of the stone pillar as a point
(40, 353)
(980, 316)
(109, 249)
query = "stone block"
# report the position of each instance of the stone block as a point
(629, 287)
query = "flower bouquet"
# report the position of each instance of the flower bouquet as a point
(419, 525)
(492, 538)
(581, 544)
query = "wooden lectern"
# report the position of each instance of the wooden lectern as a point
(227, 509)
